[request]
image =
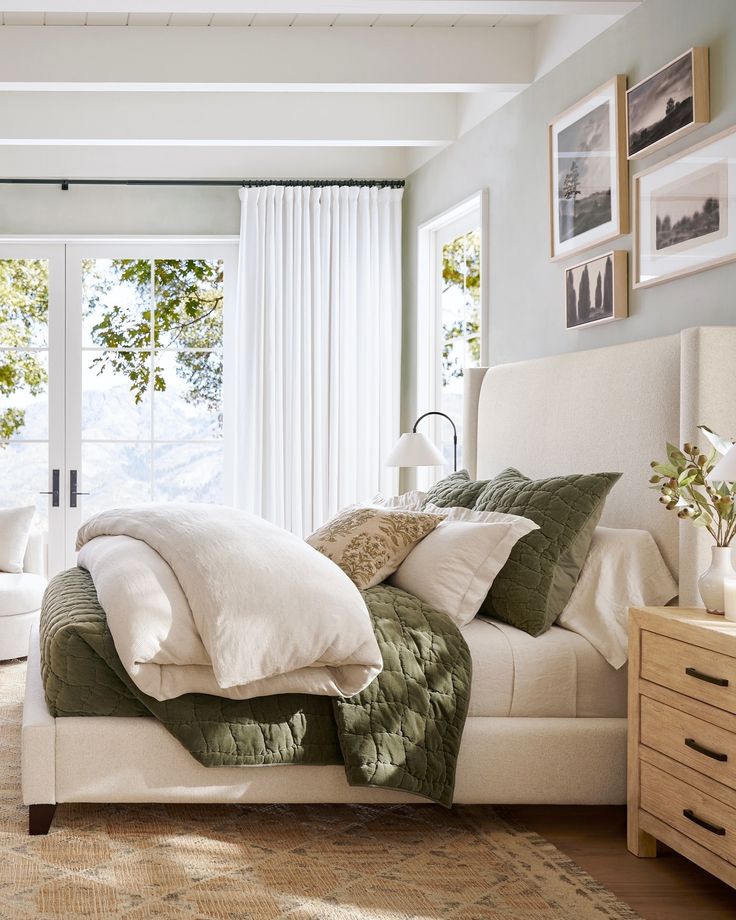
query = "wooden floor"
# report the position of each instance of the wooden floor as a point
(666, 888)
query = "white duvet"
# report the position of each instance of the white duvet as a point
(207, 599)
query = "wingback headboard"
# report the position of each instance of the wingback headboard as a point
(609, 409)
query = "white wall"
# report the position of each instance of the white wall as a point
(507, 153)
(118, 210)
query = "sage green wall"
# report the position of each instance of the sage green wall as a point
(507, 153)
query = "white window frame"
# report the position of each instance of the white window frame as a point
(468, 214)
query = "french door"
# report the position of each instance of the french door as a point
(111, 371)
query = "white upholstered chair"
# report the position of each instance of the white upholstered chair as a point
(20, 599)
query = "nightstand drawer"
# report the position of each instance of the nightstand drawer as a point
(689, 811)
(689, 740)
(697, 672)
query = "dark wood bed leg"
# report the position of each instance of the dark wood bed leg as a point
(40, 818)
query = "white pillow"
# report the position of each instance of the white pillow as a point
(623, 569)
(453, 567)
(408, 501)
(15, 528)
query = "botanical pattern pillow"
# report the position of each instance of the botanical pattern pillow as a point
(370, 543)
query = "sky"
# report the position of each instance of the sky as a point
(588, 142)
(647, 102)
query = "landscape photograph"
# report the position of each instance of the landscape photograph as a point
(660, 105)
(691, 211)
(593, 290)
(585, 165)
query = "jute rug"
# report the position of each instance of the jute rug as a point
(142, 862)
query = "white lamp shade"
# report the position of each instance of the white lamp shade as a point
(414, 449)
(725, 469)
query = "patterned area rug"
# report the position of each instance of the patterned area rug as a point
(141, 862)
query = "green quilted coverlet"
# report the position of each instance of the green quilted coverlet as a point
(536, 582)
(402, 732)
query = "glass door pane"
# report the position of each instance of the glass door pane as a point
(146, 336)
(31, 388)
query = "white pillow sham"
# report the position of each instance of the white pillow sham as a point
(407, 501)
(15, 528)
(453, 567)
(623, 568)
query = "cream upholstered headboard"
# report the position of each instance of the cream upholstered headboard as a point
(609, 409)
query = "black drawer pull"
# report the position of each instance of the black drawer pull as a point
(718, 681)
(713, 828)
(692, 743)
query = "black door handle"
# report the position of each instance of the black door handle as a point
(73, 489)
(718, 681)
(701, 822)
(54, 493)
(693, 744)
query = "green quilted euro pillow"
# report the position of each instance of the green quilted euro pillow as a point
(533, 587)
(457, 490)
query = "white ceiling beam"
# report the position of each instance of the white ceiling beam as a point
(332, 7)
(197, 162)
(266, 59)
(227, 120)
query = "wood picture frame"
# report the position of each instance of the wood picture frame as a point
(685, 212)
(588, 195)
(679, 93)
(597, 290)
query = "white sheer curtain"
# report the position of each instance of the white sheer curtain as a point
(313, 351)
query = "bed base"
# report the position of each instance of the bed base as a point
(502, 761)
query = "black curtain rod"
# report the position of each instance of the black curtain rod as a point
(242, 183)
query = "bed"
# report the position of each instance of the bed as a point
(547, 722)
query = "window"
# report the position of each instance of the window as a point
(152, 380)
(111, 371)
(450, 319)
(24, 376)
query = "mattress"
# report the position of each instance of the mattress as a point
(556, 675)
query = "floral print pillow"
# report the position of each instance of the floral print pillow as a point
(370, 543)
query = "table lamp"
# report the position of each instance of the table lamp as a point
(414, 449)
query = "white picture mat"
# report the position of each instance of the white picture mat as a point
(606, 94)
(657, 266)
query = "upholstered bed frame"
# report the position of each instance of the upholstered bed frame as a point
(607, 409)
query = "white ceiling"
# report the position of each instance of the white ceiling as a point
(250, 20)
(274, 88)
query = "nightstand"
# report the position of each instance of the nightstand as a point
(682, 736)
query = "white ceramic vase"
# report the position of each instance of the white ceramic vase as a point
(710, 583)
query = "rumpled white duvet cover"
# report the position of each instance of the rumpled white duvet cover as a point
(209, 599)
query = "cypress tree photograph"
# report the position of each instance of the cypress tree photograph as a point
(595, 291)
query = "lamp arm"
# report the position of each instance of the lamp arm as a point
(454, 432)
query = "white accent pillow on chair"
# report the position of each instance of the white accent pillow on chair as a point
(15, 528)
(453, 567)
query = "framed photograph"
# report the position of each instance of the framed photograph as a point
(589, 203)
(685, 212)
(596, 291)
(670, 103)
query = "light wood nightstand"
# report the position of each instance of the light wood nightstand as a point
(682, 736)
